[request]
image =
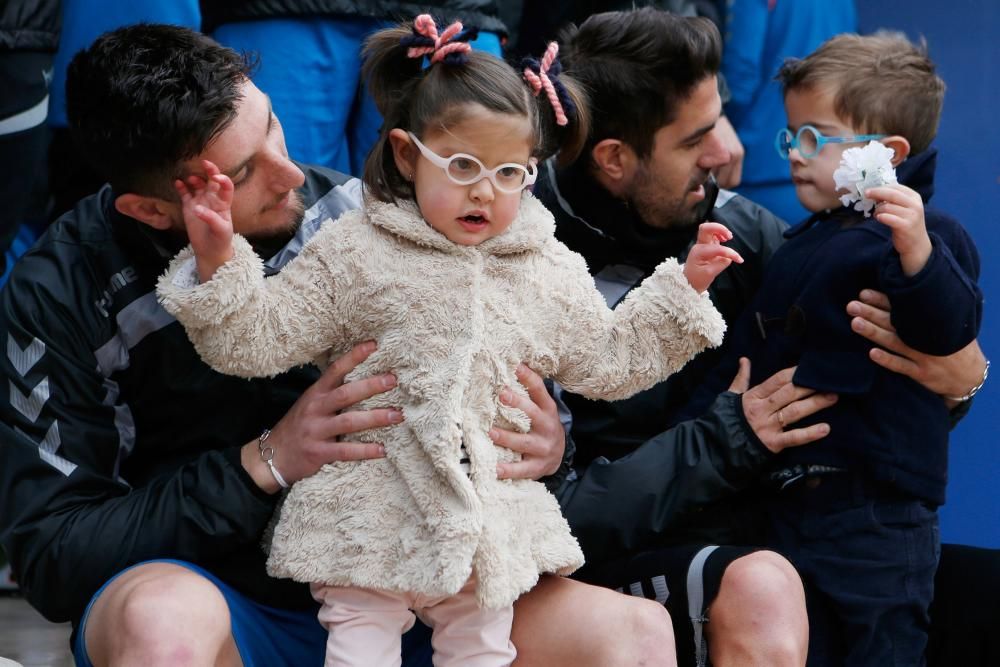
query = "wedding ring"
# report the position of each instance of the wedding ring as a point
(781, 418)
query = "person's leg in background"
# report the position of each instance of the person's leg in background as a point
(311, 70)
(70, 176)
(366, 121)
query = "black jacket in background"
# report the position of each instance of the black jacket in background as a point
(30, 25)
(480, 14)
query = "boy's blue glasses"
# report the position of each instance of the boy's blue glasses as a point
(809, 141)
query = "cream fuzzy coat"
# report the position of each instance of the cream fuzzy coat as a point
(452, 322)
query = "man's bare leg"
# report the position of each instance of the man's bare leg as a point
(160, 614)
(565, 623)
(759, 619)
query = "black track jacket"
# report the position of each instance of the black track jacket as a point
(666, 486)
(118, 444)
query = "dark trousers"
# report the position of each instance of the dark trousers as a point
(867, 557)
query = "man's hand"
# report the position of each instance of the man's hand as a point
(775, 404)
(306, 437)
(206, 204)
(708, 257)
(953, 375)
(542, 447)
(730, 174)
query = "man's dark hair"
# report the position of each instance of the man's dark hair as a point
(637, 67)
(144, 98)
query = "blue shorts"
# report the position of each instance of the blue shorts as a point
(266, 636)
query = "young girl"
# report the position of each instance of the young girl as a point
(453, 268)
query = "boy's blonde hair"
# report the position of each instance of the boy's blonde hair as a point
(881, 83)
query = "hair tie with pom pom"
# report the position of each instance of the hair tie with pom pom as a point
(450, 46)
(544, 75)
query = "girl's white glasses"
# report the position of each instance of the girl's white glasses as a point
(464, 169)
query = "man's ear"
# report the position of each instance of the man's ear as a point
(613, 158)
(615, 164)
(900, 145)
(152, 211)
(404, 152)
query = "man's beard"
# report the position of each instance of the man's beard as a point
(268, 244)
(647, 200)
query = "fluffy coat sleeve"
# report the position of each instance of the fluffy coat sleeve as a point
(244, 324)
(613, 354)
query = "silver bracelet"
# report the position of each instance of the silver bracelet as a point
(974, 390)
(267, 456)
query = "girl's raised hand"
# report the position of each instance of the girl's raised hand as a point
(207, 209)
(708, 257)
(901, 209)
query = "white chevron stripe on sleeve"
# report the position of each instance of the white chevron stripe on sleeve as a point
(47, 450)
(24, 359)
(31, 405)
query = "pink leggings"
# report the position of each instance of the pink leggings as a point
(365, 627)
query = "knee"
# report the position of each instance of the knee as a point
(646, 627)
(158, 614)
(157, 606)
(763, 579)
(761, 602)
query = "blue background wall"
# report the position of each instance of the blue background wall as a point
(964, 40)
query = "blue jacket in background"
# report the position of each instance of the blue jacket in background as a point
(86, 20)
(759, 36)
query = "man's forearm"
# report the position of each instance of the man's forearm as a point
(619, 507)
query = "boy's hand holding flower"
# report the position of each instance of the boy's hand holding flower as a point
(207, 208)
(870, 180)
(863, 168)
(708, 257)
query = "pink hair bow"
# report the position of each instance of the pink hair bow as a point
(438, 47)
(536, 73)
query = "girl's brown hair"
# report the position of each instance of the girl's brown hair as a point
(415, 99)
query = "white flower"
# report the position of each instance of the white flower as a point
(863, 168)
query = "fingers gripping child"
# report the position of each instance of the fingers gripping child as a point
(206, 203)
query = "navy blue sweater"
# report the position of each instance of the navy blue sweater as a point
(885, 427)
